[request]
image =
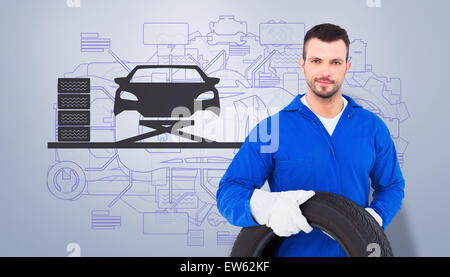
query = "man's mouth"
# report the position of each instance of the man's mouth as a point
(323, 82)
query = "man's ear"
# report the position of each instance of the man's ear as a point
(349, 64)
(301, 62)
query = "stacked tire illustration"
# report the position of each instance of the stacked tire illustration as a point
(74, 109)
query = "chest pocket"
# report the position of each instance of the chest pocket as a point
(292, 174)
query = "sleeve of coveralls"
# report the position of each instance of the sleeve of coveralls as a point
(387, 179)
(248, 170)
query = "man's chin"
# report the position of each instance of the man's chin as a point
(324, 94)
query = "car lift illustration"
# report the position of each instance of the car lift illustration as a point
(160, 127)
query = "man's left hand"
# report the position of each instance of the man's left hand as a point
(377, 217)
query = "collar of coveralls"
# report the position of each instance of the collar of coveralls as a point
(297, 105)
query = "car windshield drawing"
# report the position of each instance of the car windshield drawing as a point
(156, 90)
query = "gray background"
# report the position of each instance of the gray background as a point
(40, 40)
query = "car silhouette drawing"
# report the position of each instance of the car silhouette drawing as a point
(162, 88)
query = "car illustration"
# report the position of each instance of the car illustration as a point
(156, 90)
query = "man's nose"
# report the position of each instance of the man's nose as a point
(325, 72)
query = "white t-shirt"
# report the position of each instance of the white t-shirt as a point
(328, 123)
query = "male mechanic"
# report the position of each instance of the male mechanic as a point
(327, 142)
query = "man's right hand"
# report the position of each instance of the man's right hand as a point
(280, 211)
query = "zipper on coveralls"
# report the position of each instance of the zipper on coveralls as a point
(345, 116)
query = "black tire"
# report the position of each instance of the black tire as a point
(74, 85)
(74, 133)
(356, 231)
(74, 118)
(74, 101)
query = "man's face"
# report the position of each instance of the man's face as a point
(325, 66)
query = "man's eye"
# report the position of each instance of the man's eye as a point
(314, 61)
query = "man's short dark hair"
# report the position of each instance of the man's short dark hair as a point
(328, 33)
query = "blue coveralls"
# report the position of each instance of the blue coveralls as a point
(359, 154)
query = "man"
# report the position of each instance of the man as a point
(327, 142)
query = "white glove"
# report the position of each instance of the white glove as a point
(280, 210)
(377, 217)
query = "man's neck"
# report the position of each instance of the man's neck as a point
(325, 107)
